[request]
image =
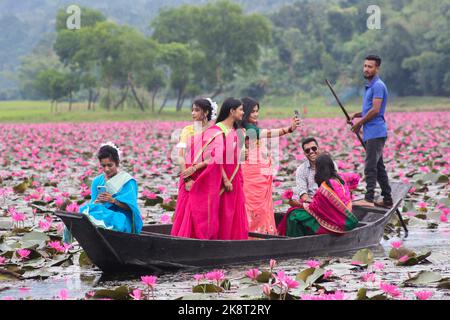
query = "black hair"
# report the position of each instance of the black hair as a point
(249, 104)
(374, 57)
(325, 170)
(308, 140)
(205, 105)
(108, 152)
(228, 105)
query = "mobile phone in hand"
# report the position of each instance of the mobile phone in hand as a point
(296, 114)
(101, 189)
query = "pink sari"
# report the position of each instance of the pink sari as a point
(257, 172)
(205, 212)
(233, 217)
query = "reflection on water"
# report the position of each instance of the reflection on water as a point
(80, 281)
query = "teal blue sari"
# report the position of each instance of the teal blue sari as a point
(123, 188)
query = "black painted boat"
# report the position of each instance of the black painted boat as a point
(156, 250)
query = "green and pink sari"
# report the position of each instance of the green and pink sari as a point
(330, 211)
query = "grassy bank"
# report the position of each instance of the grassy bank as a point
(272, 107)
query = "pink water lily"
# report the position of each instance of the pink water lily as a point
(73, 207)
(216, 275)
(338, 295)
(272, 264)
(423, 295)
(23, 253)
(378, 266)
(165, 219)
(44, 225)
(368, 277)
(397, 244)
(56, 245)
(199, 277)
(136, 295)
(63, 294)
(267, 289)
(150, 281)
(253, 274)
(390, 289)
(327, 274)
(313, 263)
(2, 260)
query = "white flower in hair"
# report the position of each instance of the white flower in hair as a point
(214, 108)
(112, 145)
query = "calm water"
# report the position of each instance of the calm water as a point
(79, 281)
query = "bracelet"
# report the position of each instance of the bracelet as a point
(290, 130)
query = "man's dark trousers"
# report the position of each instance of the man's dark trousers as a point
(376, 171)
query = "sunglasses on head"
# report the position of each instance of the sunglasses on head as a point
(308, 150)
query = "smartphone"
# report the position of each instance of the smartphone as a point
(101, 189)
(297, 114)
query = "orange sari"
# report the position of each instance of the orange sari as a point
(258, 178)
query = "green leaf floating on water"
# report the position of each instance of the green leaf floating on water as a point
(422, 278)
(310, 275)
(365, 256)
(121, 293)
(400, 252)
(362, 295)
(169, 206)
(207, 288)
(34, 238)
(153, 202)
(84, 260)
(264, 277)
(21, 187)
(444, 285)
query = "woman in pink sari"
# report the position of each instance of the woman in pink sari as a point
(330, 210)
(257, 169)
(215, 206)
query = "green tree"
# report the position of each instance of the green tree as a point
(229, 40)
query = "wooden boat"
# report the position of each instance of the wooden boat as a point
(156, 250)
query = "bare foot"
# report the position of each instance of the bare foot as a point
(363, 203)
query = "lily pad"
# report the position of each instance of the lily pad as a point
(444, 285)
(310, 275)
(264, 277)
(207, 288)
(34, 238)
(21, 187)
(400, 252)
(364, 256)
(84, 261)
(121, 293)
(362, 295)
(250, 292)
(153, 202)
(169, 206)
(423, 278)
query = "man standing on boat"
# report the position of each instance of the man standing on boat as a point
(374, 133)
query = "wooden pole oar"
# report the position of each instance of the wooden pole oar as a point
(364, 146)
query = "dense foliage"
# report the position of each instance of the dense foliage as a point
(172, 50)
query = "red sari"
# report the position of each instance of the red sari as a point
(206, 211)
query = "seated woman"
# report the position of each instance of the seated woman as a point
(330, 210)
(114, 196)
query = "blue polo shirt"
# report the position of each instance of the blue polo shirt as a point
(375, 128)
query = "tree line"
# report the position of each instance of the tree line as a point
(216, 49)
